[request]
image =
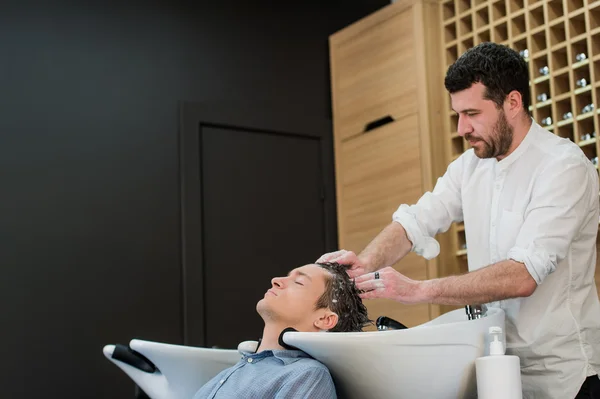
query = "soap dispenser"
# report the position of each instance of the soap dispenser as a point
(498, 375)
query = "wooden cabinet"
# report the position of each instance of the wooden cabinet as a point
(385, 67)
(369, 71)
(390, 67)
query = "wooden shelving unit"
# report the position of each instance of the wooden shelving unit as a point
(383, 107)
(551, 35)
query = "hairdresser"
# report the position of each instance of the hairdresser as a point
(530, 206)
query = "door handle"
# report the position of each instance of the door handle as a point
(378, 123)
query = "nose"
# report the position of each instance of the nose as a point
(464, 125)
(277, 282)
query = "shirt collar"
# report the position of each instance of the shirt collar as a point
(527, 140)
(286, 356)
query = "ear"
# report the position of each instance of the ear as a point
(513, 104)
(326, 321)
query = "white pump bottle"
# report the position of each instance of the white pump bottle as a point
(498, 375)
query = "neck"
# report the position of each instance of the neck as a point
(520, 130)
(270, 337)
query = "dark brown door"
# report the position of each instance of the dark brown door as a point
(257, 202)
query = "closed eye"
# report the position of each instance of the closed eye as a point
(299, 283)
(467, 112)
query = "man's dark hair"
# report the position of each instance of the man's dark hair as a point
(499, 68)
(341, 297)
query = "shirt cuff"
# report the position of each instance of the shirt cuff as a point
(538, 262)
(422, 244)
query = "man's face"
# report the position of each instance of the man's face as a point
(291, 300)
(481, 123)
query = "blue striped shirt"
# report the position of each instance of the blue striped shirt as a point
(271, 374)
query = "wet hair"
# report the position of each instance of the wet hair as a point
(342, 297)
(499, 68)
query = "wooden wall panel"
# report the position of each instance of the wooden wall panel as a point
(373, 75)
(381, 170)
(384, 65)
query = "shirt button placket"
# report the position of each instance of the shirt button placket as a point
(493, 218)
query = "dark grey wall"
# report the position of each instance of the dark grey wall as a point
(89, 237)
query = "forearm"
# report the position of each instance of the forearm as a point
(388, 247)
(502, 280)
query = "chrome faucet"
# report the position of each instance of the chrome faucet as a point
(475, 311)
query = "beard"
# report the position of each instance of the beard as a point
(499, 140)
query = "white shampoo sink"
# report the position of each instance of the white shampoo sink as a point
(435, 360)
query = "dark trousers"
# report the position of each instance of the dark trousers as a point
(590, 388)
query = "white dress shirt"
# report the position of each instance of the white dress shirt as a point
(538, 206)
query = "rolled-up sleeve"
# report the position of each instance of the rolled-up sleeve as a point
(434, 212)
(564, 199)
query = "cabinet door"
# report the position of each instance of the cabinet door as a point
(379, 171)
(373, 72)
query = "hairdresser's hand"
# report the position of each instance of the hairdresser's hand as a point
(390, 284)
(343, 257)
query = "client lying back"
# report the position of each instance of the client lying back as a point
(311, 298)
